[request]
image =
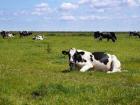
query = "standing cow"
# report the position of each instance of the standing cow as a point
(97, 60)
(105, 35)
(25, 33)
(134, 34)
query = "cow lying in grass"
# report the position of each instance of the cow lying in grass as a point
(97, 60)
(38, 37)
(5, 34)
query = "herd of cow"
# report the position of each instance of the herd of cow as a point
(83, 59)
(111, 35)
(97, 35)
(6, 34)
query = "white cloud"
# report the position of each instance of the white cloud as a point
(4, 19)
(103, 3)
(133, 2)
(83, 1)
(68, 6)
(96, 17)
(109, 3)
(100, 10)
(92, 17)
(41, 9)
(135, 17)
(68, 18)
(22, 12)
(97, 4)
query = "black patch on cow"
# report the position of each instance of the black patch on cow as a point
(101, 56)
(81, 53)
(91, 58)
(84, 60)
(78, 57)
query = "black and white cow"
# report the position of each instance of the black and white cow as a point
(134, 34)
(6, 34)
(97, 60)
(25, 33)
(38, 37)
(105, 35)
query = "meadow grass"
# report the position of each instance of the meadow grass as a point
(31, 72)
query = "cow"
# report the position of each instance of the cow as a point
(25, 33)
(10, 35)
(5, 34)
(92, 60)
(38, 37)
(107, 35)
(134, 34)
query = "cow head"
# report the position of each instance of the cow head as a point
(74, 55)
(71, 54)
(97, 34)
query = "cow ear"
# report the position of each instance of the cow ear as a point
(81, 53)
(65, 52)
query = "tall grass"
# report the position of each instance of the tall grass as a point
(31, 72)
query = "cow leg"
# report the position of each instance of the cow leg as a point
(86, 67)
(100, 38)
(107, 39)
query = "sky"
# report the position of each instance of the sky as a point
(70, 15)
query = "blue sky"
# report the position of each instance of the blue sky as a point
(70, 15)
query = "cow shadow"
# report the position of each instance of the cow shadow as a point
(66, 71)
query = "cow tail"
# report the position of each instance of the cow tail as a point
(111, 66)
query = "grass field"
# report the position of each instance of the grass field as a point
(31, 72)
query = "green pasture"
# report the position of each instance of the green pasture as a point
(31, 72)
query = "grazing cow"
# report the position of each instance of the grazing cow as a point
(25, 33)
(134, 34)
(107, 35)
(5, 34)
(38, 37)
(92, 60)
(10, 35)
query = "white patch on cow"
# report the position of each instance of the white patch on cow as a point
(10, 35)
(115, 64)
(72, 52)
